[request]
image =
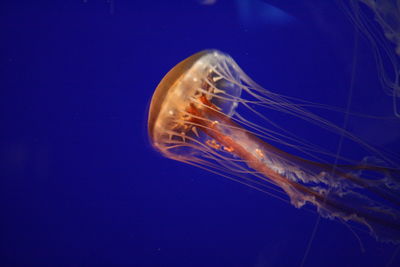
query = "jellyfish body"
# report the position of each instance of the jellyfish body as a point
(194, 118)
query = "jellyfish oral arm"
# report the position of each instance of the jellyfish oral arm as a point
(294, 175)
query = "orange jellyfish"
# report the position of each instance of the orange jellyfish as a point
(195, 117)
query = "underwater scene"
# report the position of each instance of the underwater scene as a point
(200, 133)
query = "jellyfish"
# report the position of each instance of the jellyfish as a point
(209, 113)
(379, 22)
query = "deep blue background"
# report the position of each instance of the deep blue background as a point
(80, 183)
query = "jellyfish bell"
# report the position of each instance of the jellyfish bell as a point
(179, 91)
(195, 118)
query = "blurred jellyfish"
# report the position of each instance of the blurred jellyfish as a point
(207, 2)
(208, 113)
(379, 21)
(257, 14)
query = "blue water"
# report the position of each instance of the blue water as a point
(80, 184)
